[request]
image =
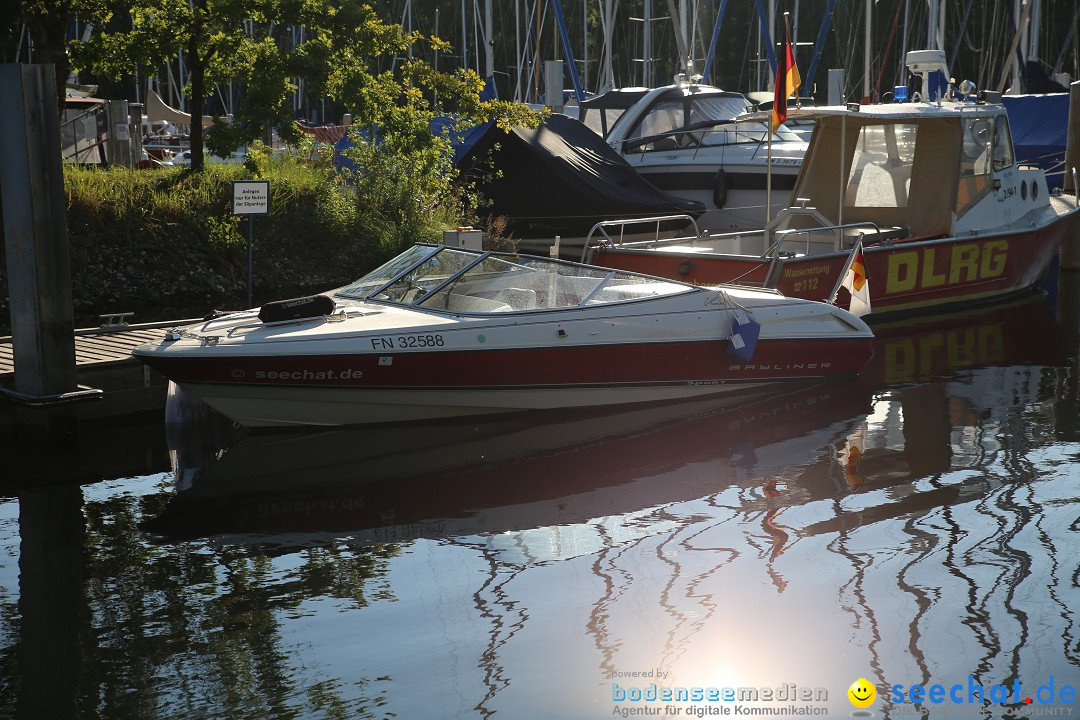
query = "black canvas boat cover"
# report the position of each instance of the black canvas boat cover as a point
(561, 179)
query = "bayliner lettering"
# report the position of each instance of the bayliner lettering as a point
(405, 342)
(308, 374)
(779, 366)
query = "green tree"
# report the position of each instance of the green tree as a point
(46, 23)
(209, 34)
(345, 54)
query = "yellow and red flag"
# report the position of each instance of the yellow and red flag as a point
(788, 83)
(858, 284)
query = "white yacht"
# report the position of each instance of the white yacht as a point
(684, 139)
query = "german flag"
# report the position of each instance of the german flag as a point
(788, 83)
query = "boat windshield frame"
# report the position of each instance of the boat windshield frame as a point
(463, 281)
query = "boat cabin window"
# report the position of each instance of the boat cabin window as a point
(975, 162)
(669, 116)
(1003, 148)
(714, 109)
(880, 173)
(897, 172)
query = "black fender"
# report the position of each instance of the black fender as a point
(721, 184)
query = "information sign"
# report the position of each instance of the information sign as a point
(251, 197)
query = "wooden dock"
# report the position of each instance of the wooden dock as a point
(103, 363)
(100, 346)
(93, 346)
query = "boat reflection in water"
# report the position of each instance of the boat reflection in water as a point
(911, 526)
(514, 472)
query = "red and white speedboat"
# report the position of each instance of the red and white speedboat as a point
(443, 332)
(931, 190)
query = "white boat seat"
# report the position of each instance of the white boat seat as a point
(468, 303)
(517, 298)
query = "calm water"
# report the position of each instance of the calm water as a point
(919, 525)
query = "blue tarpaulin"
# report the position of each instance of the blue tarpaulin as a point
(1039, 126)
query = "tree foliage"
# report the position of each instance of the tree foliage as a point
(264, 46)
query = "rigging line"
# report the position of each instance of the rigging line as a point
(960, 35)
(988, 59)
(1019, 26)
(850, 45)
(966, 37)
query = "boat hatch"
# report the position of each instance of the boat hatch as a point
(443, 278)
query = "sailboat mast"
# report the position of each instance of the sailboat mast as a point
(489, 47)
(680, 36)
(585, 42)
(464, 37)
(1031, 47)
(607, 72)
(646, 47)
(901, 72)
(866, 54)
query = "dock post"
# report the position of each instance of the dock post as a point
(35, 231)
(119, 143)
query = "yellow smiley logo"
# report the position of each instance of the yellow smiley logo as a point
(861, 693)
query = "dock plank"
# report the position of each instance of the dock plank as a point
(97, 346)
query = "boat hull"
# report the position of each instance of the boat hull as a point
(734, 198)
(289, 389)
(904, 277)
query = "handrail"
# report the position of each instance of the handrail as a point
(633, 144)
(226, 318)
(339, 316)
(604, 224)
(797, 231)
(774, 249)
(72, 126)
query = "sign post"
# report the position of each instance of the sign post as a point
(251, 198)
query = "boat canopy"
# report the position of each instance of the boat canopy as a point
(694, 114)
(437, 277)
(583, 180)
(909, 170)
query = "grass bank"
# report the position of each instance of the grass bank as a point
(165, 245)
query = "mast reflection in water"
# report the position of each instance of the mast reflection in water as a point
(915, 525)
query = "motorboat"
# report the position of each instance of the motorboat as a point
(695, 141)
(443, 331)
(446, 478)
(930, 193)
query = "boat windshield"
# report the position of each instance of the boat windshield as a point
(443, 278)
(706, 120)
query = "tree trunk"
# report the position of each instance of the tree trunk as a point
(196, 76)
(48, 31)
(196, 61)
